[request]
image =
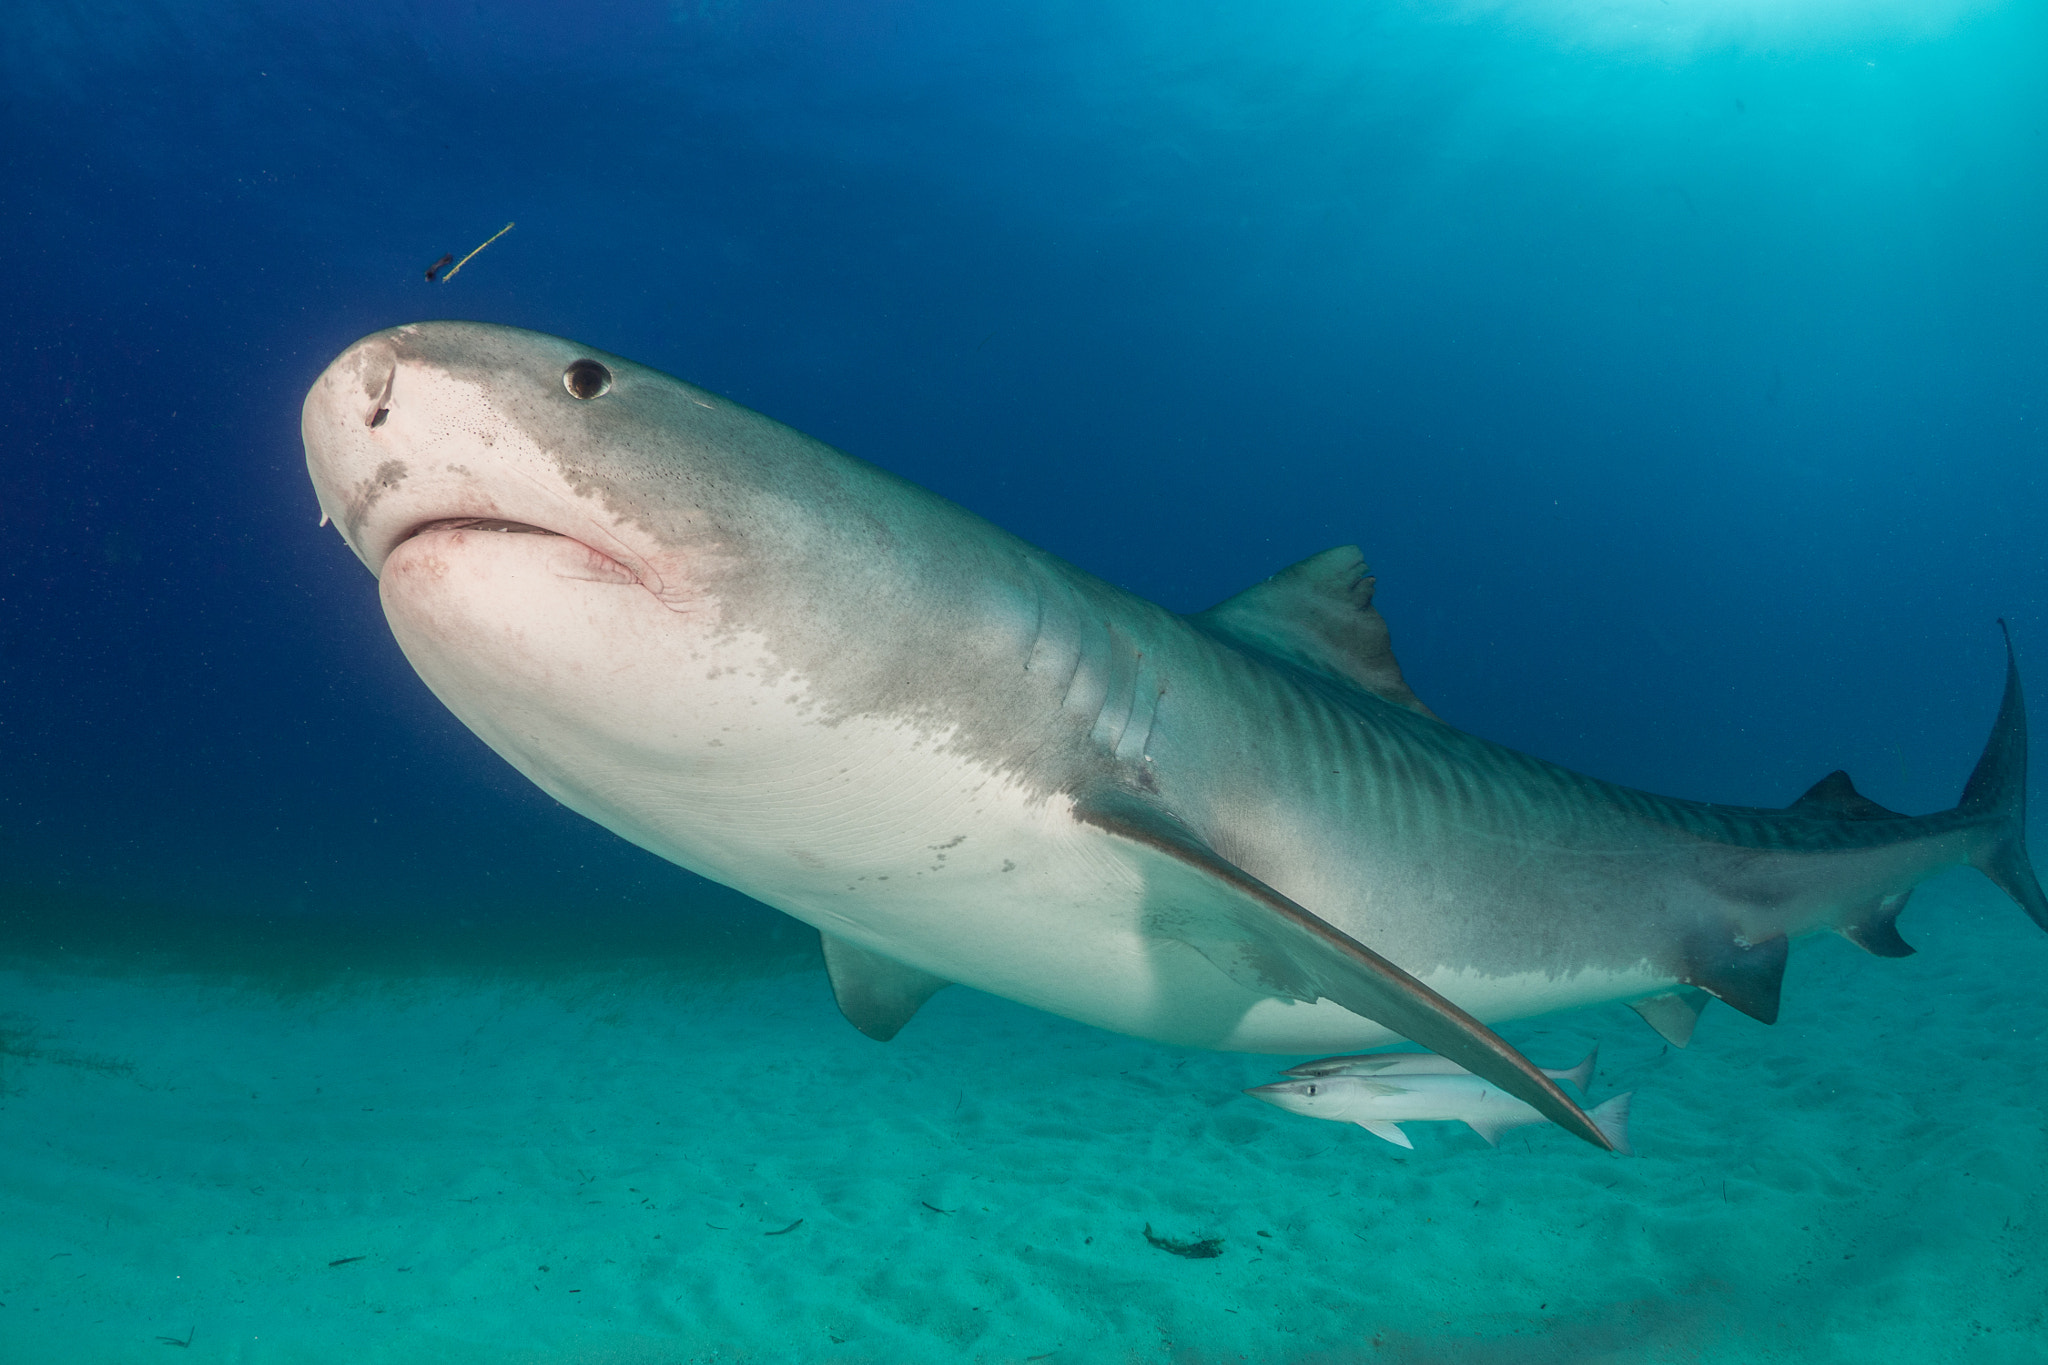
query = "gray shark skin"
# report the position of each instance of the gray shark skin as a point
(964, 760)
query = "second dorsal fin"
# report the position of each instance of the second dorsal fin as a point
(1319, 615)
(1836, 797)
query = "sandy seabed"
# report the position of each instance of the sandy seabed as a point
(649, 1167)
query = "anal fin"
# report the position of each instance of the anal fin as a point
(1673, 1014)
(877, 994)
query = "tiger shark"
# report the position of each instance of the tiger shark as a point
(964, 760)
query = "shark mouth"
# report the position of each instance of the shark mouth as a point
(519, 528)
(594, 564)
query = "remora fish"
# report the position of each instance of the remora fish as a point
(1422, 1064)
(1382, 1106)
(962, 759)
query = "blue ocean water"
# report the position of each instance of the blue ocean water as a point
(1679, 367)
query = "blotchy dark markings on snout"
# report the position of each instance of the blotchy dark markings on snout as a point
(389, 475)
(793, 534)
(613, 453)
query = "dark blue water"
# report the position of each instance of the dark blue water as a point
(1688, 400)
(1681, 370)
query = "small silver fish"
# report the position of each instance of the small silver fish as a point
(1424, 1064)
(1380, 1106)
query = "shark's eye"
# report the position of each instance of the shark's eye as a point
(1310, 1091)
(587, 379)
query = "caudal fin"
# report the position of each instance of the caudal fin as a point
(1997, 792)
(1611, 1118)
(1582, 1074)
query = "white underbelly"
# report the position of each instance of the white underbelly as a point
(882, 835)
(700, 748)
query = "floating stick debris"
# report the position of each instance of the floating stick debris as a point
(465, 260)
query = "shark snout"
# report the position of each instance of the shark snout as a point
(1295, 1096)
(357, 455)
(401, 443)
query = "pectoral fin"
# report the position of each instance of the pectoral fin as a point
(1269, 944)
(1488, 1129)
(1391, 1132)
(877, 994)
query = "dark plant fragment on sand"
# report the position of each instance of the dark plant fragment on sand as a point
(1200, 1250)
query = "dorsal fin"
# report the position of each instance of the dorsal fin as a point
(1836, 797)
(1319, 615)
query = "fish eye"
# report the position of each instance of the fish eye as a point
(1311, 1089)
(586, 379)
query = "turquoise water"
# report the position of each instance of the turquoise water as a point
(611, 1164)
(1679, 367)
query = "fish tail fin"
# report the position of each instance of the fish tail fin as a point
(1582, 1074)
(1997, 794)
(1611, 1118)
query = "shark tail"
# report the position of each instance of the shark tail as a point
(1582, 1074)
(1611, 1118)
(1997, 794)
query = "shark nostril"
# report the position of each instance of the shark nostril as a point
(381, 408)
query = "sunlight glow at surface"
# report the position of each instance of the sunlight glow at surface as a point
(1682, 28)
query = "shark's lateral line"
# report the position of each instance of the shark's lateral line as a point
(965, 760)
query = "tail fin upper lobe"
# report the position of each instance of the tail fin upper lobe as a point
(1997, 791)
